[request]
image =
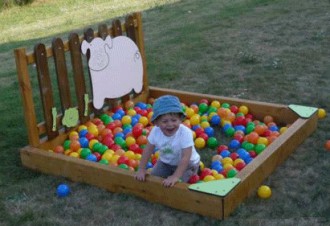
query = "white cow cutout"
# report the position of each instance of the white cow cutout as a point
(115, 67)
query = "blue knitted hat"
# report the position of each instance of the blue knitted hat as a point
(166, 104)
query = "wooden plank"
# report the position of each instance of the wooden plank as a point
(62, 73)
(45, 87)
(27, 96)
(116, 28)
(281, 113)
(264, 164)
(78, 75)
(140, 43)
(118, 180)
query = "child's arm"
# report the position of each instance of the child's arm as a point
(141, 174)
(183, 165)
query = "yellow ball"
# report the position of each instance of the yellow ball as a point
(208, 178)
(219, 176)
(130, 140)
(243, 109)
(137, 156)
(321, 113)
(74, 154)
(189, 112)
(131, 112)
(227, 160)
(264, 192)
(215, 104)
(262, 140)
(130, 154)
(107, 156)
(205, 124)
(283, 129)
(199, 143)
(195, 119)
(201, 165)
(126, 119)
(144, 121)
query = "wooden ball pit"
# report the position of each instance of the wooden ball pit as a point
(45, 135)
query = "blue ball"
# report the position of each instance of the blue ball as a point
(91, 158)
(225, 153)
(83, 132)
(234, 144)
(117, 116)
(63, 190)
(141, 105)
(209, 131)
(215, 120)
(83, 142)
(239, 128)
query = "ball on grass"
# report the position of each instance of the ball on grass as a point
(264, 192)
(63, 190)
(327, 145)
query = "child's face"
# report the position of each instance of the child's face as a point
(169, 123)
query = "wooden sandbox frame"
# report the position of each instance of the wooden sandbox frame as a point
(42, 136)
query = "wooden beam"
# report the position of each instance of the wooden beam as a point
(115, 179)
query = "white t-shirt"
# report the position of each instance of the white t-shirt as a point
(170, 148)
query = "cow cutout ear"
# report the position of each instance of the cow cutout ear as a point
(84, 46)
(108, 41)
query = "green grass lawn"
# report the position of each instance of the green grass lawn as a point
(266, 50)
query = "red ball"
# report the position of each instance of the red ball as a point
(123, 160)
(234, 155)
(233, 108)
(221, 148)
(205, 172)
(98, 156)
(204, 136)
(137, 130)
(205, 101)
(193, 179)
(240, 165)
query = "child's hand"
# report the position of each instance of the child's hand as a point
(140, 175)
(170, 181)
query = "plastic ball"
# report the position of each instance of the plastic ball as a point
(195, 119)
(264, 192)
(321, 113)
(244, 109)
(212, 142)
(193, 179)
(199, 143)
(327, 145)
(63, 190)
(85, 152)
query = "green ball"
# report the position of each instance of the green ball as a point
(249, 146)
(259, 148)
(104, 162)
(123, 166)
(66, 144)
(203, 107)
(97, 147)
(231, 173)
(85, 152)
(250, 128)
(230, 132)
(102, 149)
(225, 105)
(212, 142)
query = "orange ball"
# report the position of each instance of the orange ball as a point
(268, 119)
(327, 145)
